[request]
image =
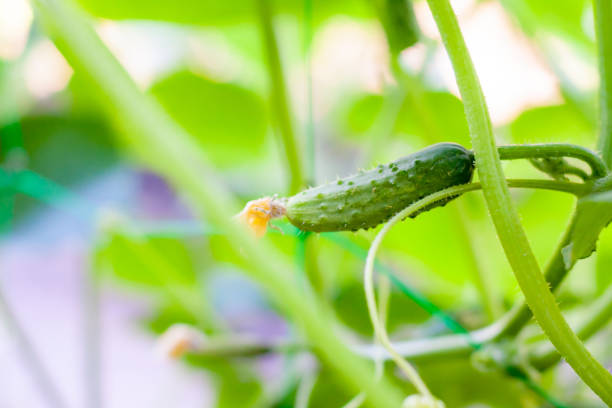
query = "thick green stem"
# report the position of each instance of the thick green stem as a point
(160, 141)
(548, 150)
(595, 317)
(504, 215)
(520, 314)
(278, 96)
(602, 10)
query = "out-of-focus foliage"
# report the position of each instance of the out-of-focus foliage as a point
(550, 123)
(228, 120)
(212, 12)
(68, 139)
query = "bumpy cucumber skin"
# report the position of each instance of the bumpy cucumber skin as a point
(369, 198)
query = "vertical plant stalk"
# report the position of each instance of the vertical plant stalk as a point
(156, 138)
(279, 99)
(30, 358)
(92, 334)
(310, 130)
(602, 10)
(504, 215)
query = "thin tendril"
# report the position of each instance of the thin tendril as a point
(384, 294)
(379, 327)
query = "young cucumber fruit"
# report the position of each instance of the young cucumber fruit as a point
(372, 197)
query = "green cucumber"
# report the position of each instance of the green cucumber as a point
(372, 197)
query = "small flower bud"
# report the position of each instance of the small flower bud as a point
(180, 339)
(257, 213)
(422, 401)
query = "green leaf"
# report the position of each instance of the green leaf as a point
(135, 261)
(593, 214)
(238, 390)
(213, 12)
(459, 384)
(328, 392)
(359, 115)
(565, 19)
(551, 123)
(351, 309)
(229, 121)
(82, 144)
(236, 383)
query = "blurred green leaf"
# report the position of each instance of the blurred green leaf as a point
(229, 121)
(544, 227)
(422, 239)
(238, 390)
(557, 123)
(237, 385)
(213, 12)
(447, 122)
(167, 315)
(566, 19)
(351, 308)
(82, 144)
(360, 113)
(133, 260)
(461, 385)
(327, 391)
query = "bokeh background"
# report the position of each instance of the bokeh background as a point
(99, 255)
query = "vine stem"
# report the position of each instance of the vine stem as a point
(548, 150)
(602, 10)
(278, 96)
(504, 215)
(599, 314)
(165, 146)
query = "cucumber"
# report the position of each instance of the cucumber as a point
(364, 200)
